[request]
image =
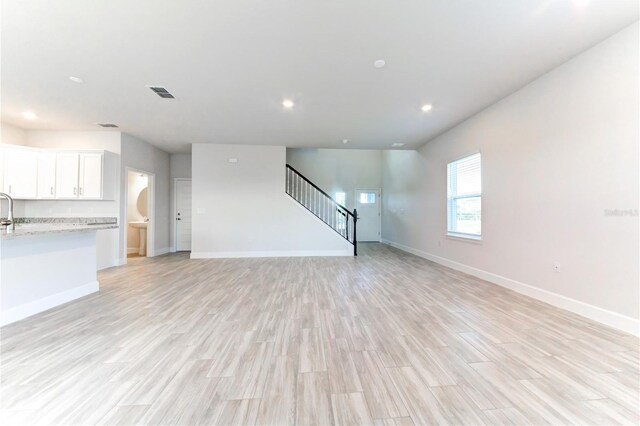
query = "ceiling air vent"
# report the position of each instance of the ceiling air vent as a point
(107, 125)
(162, 92)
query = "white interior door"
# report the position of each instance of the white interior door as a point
(183, 215)
(368, 206)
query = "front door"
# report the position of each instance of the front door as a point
(368, 206)
(183, 215)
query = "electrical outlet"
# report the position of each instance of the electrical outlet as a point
(556, 267)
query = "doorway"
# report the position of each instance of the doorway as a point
(369, 214)
(139, 214)
(182, 192)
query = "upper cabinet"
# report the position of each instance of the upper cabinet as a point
(90, 176)
(31, 173)
(67, 164)
(20, 172)
(46, 175)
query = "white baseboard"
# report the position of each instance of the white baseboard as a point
(114, 262)
(604, 316)
(131, 250)
(237, 254)
(161, 251)
(28, 309)
(172, 249)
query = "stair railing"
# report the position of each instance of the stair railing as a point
(322, 205)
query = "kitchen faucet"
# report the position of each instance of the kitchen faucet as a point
(9, 220)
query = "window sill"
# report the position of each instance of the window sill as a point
(464, 237)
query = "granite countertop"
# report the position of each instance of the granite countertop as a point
(33, 226)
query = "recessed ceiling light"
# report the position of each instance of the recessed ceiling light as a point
(288, 103)
(29, 115)
(76, 79)
(345, 140)
(426, 107)
(397, 144)
(379, 63)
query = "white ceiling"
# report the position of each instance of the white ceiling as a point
(231, 63)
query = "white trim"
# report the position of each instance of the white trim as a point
(114, 262)
(172, 249)
(159, 252)
(474, 152)
(456, 197)
(151, 211)
(464, 237)
(275, 253)
(595, 313)
(131, 250)
(28, 309)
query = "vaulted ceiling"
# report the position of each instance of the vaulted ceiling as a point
(231, 63)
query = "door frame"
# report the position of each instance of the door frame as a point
(175, 208)
(151, 211)
(355, 204)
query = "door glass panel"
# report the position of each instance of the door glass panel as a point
(367, 198)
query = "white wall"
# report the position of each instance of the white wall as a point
(142, 156)
(241, 209)
(179, 167)
(12, 135)
(555, 155)
(343, 170)
(100, 139)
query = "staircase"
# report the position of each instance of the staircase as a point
(325, 208)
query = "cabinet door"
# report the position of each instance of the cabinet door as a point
(67, 175)
(46, 175)
(21, 173)
(91, 176)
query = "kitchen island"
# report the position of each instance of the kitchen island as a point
(46, 262)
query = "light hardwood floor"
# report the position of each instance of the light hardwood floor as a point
(386, 338)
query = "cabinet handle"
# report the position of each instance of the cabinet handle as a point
(75, 191)
(80, 190)
(52, 190)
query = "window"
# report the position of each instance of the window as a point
(341, 198)
(367, 198)
(464, 197)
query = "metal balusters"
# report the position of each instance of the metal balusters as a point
(320, 204)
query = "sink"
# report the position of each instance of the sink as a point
(141, 226)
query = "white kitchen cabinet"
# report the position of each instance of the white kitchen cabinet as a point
(20, 172)
(90, 184)
(46, 175)
(30, 173)
(67, 174)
